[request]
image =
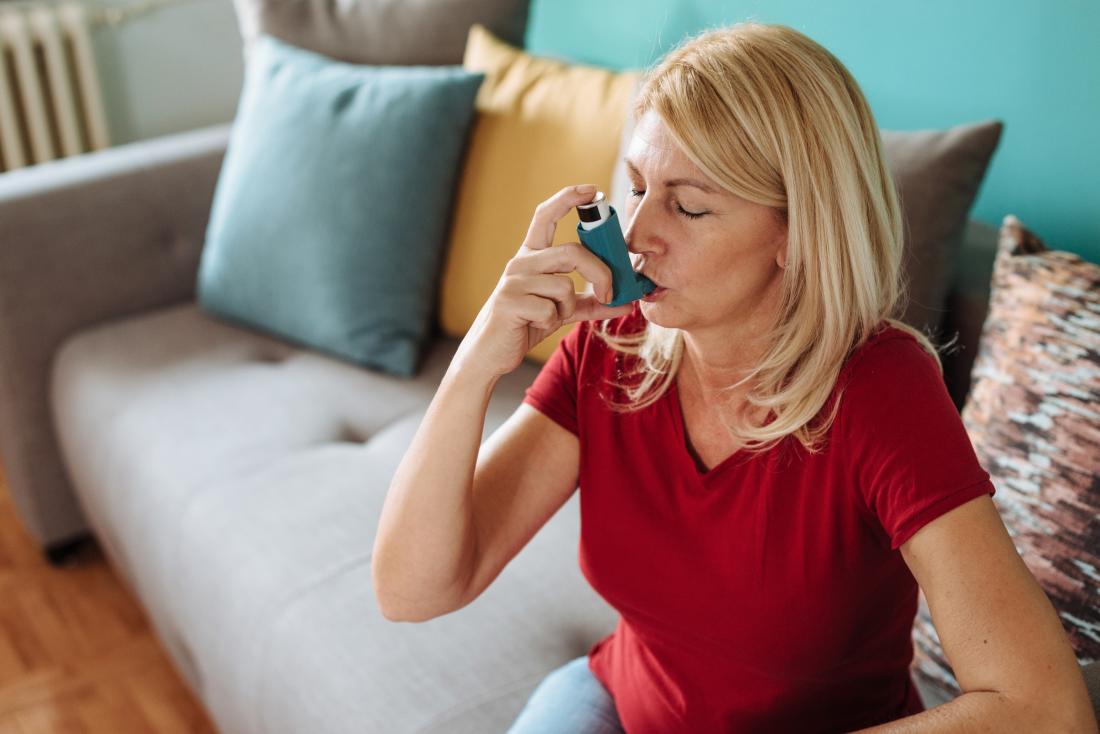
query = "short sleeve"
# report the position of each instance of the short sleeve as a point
(554, 391)
(911, 457)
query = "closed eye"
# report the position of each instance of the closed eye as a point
(686, 213)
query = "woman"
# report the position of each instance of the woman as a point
(769, 462)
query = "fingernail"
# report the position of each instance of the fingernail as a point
(585, 188)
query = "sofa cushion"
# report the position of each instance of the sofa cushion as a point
(1034, 419)
(541, 125)
(154, 410)
(239, 480)
(380, 31)
(467, 672)
(331, 209)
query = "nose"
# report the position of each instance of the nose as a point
(634, 234)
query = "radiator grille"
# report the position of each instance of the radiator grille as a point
(51, 103)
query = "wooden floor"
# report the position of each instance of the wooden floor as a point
(77, 654)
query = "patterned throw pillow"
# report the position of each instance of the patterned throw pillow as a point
(1034, 417)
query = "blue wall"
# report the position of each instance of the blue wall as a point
(1034, 65)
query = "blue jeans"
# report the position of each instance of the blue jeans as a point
(569, 699)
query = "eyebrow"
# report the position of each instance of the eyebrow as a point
(676, 181)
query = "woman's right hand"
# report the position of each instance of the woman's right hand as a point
(535, 296)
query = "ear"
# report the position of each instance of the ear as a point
(781, 250)
(779, 242)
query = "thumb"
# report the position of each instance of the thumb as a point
(589, 307)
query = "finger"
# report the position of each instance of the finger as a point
(589, 308)
(557, 288)
(540, 234)
(539, 312)
(567, 257)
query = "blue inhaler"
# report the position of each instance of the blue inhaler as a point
(600, 232)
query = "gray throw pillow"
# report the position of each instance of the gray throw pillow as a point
(381, 31)
(938, 173)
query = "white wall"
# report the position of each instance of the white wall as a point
(170, 69)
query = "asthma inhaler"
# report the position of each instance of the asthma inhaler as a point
(599, 230)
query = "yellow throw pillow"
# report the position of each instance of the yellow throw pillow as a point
(541, 124)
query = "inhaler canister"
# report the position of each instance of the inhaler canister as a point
(599, 231)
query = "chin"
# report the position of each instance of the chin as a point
(655, 312)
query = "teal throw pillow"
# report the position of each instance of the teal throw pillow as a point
(332, 208)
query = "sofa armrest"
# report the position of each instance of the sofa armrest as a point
(84, 240)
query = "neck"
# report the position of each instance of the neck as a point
(723, 354)
(714, 368)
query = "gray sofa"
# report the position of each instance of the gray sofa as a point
(235, 481)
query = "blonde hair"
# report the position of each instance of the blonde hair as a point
(775, 118)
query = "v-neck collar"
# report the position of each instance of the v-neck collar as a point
(682, 450)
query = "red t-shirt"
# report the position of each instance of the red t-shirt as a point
(766, 594)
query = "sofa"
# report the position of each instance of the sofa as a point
(234, 480)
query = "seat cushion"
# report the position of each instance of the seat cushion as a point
(469, 671)
(236, 481)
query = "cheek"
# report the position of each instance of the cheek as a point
(725, 275)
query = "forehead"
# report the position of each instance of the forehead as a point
(652, 145)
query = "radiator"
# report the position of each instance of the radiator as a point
(51, 103)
